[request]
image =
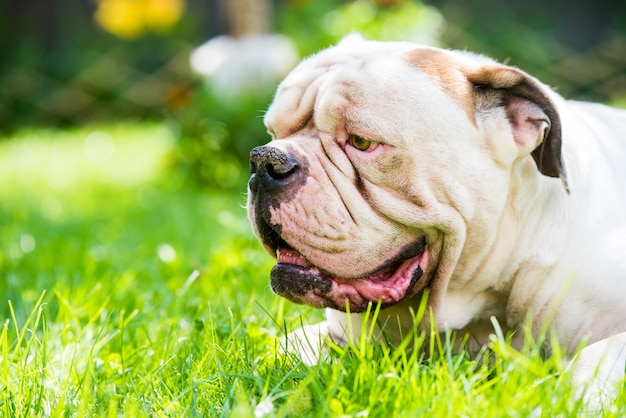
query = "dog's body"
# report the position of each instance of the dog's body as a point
(397, 169)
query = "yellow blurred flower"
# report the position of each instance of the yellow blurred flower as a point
(133, 18)
(162, 14)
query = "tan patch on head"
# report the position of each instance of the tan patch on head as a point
(449, 71)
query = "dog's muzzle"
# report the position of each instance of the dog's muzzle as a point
(276, 177)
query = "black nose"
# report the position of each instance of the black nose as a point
(272, 169)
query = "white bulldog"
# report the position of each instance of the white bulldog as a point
(396, 169)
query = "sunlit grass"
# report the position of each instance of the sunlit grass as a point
(135, 271)
(127, 293)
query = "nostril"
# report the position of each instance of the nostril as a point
(281, 171)
(253, 167)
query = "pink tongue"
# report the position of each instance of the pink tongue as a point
(306, 284)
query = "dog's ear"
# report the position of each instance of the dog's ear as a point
(531, 113)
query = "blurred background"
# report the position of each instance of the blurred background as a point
(130, 282)
(67, 63)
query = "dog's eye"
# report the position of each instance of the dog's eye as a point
(361, 143)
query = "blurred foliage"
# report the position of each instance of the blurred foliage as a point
(313, 25)
(215, 135)
(576, 47)
(62, 62)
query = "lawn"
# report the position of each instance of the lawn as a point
(128, 292)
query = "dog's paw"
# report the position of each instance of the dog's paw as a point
(598, 371)
(310, 343)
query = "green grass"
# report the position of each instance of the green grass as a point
(127, 292)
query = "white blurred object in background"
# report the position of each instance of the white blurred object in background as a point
(232, 66)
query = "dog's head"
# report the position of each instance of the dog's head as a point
(390, 166)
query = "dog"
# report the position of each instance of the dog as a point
(396, 170)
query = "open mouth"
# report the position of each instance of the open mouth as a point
(294, 278)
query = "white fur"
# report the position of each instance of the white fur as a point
(508, 241)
